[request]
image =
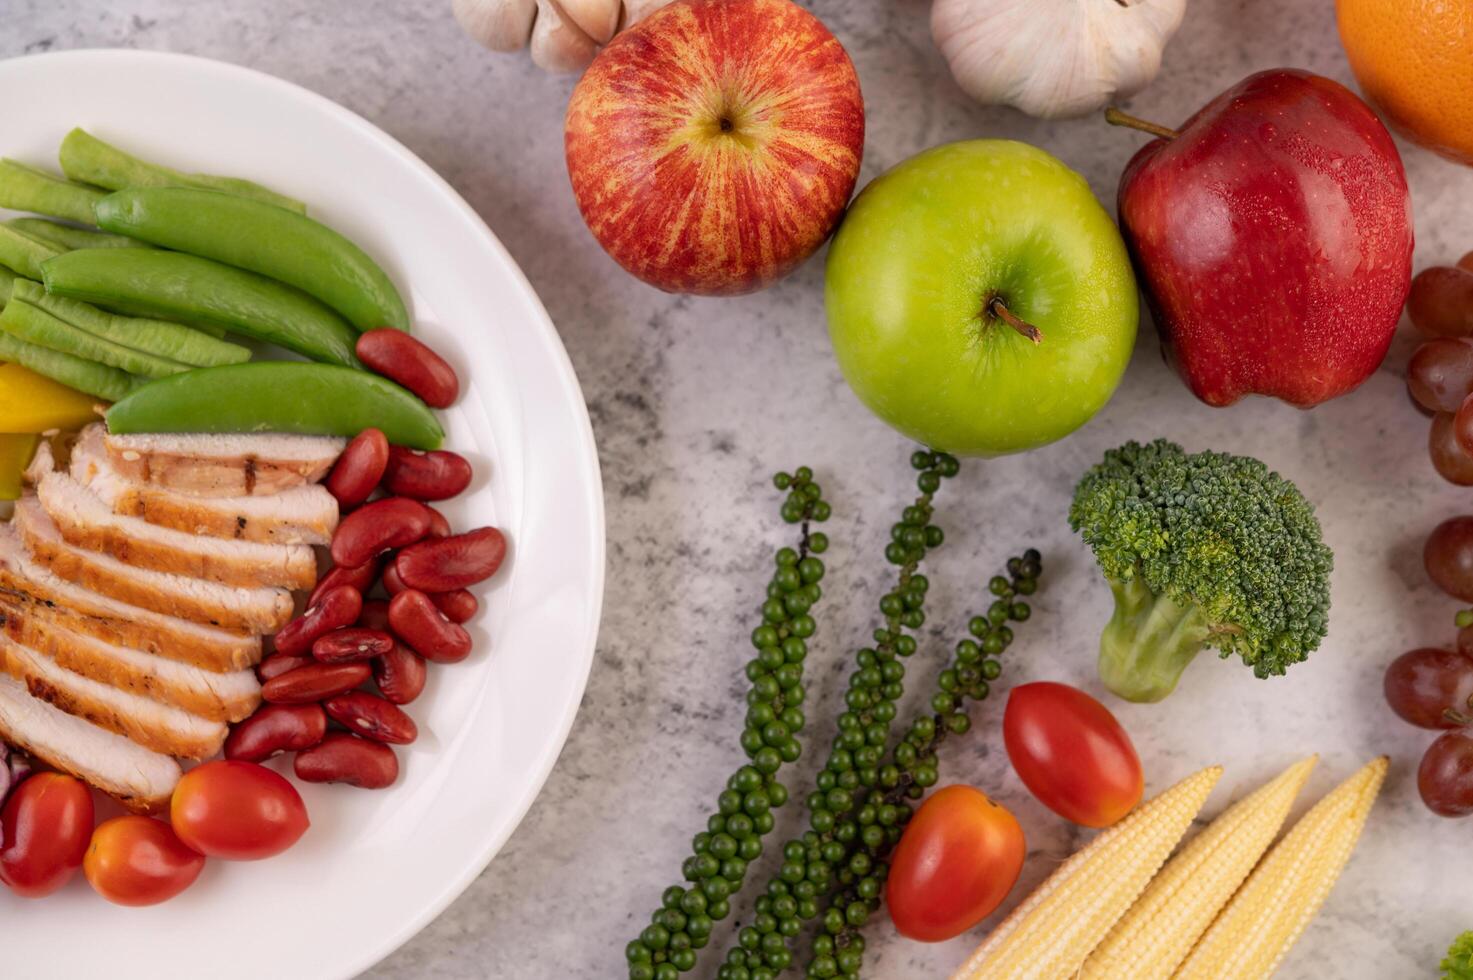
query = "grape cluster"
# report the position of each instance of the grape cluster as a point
(1440, 373)
(839, 949)
(821, 859)
(733, 835)
(1432, 688)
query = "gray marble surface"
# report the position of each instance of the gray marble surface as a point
(694, 402)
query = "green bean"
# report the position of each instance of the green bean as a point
(35, 326)
(27, 188)
(279, 396)
(86, 158)
(189, 289)
(286, 246)
(74, 372)
(23, 254)
(7, 281)
(161, 338)
(68, 237)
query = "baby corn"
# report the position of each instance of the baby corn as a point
(1261, 922)
(1051, 933)
(1160, 929)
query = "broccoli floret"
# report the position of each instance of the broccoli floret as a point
(1200, 549)
(1459, 962)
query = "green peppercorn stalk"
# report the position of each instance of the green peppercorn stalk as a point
(838, 950)
(853, 768)
(733, 835)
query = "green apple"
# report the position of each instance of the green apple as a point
(980, 299)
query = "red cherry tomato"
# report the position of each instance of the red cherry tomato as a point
(44, 830)
(1071, 753)
(139, 861)
(959, 857)
(237, 810)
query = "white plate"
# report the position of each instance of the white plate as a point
(375, 866)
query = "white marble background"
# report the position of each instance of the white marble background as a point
(695, 402)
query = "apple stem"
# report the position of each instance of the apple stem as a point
(1115, 117)
(996, 308)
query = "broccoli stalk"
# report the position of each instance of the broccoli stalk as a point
(1199, 550)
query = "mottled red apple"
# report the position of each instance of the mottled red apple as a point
(1273, 234)
(714, 145)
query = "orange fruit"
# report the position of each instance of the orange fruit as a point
(1414, 62)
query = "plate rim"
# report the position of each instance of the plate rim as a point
(586, 448)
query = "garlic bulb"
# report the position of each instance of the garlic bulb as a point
(1053, 58)
(563, 35)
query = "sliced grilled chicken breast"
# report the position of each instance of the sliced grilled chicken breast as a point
(246, 610)
(141, 780)
(48, 597)
(224, 465)
(151, 724)
(306, 514)
(219, 697)
(85, 521)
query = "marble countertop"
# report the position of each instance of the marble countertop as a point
(694, 402)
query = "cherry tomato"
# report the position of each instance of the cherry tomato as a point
(44, 829)
(959, 857)
(237, 810)
(139, 861)
(1071, 753)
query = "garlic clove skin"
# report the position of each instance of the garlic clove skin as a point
(558, 44)
(501, 25)
(1054, 58)
(599, 19)
(637, 10)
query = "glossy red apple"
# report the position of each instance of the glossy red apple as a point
(714, 145)
(1273, 236)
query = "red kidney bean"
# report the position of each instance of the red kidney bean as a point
(400, 674)
(415, 620)
(354, 643)
(384, 524)
(439, 527)
(446, 564)
(360, 577)
(372, 717)
(393, 584)
(314, 682)
(375, 615)
(278, 664)
(401, 358)
(437, 475)
(359, 469)
(276, 728)
(337, 607)
(458, 605)
(343, 758)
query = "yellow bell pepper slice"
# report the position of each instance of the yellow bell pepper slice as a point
(15, 456)
(31, 403)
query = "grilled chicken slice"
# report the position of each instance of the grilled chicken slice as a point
(219, 697)
(47, 597)
(141, 780)
(214, 465)
(306, 514)
(244, 610)
(85, 521)
(151, 724)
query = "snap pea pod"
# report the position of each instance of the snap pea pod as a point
(86, 158)
(172, 341)
(27, 188)
(189, 289)
(90, 377)
(289, 247)
(278, 396)
(68, 237)
(36, 326)
(23, 254)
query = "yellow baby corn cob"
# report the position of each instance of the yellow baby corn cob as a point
(1180, 903)
(1256, 929)
(1051, 933)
